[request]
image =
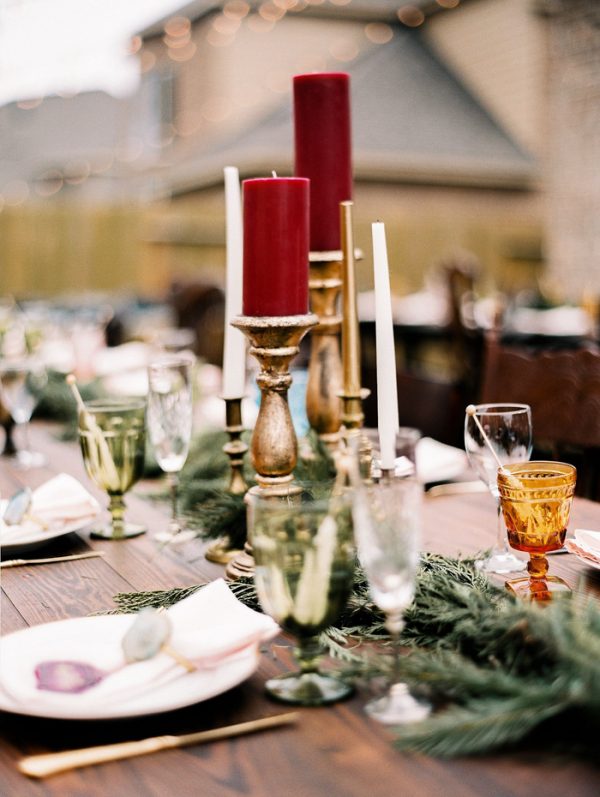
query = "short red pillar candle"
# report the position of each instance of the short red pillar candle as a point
(276, 219)
(323, 151)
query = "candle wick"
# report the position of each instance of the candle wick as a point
(274, 173)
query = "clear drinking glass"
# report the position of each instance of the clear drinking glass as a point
(112, 434)
(508, 427)
(304, 565)
(170, 413)
(387, 529)
(21, 383)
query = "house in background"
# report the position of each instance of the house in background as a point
(475, 128)
(447, 122)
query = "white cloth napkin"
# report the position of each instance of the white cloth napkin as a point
(58, 503)
(209, 627)
(122, 359)
(585, 544)
(438, 462)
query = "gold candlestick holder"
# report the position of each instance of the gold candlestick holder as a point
(222, 551)
(325, 365)
(352, 394)
(275, 341)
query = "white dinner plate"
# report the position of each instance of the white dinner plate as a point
(36, 537)
(184, 689)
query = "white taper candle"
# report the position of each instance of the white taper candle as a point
(234, 351)
(387, 390)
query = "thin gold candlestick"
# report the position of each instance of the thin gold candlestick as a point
(275, 341)
(325, 366)
(352, 393)
(222, 551)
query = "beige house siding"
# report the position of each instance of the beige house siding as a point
(424, 224)
(224, 87)
(573, 176)
(497, 47)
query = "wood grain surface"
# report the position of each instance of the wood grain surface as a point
(333, 752)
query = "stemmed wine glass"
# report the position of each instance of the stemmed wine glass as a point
(304, 565)
(508, 427)
(112, 434)
(170, 410)
(387, 528)
(21, 383)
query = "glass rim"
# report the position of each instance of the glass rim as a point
(539, 464)
(115, 403)
(298, 502)
(170, 359)
(550, 474)
(501, 408)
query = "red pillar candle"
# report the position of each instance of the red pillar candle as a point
(323, 151)
(276, 219)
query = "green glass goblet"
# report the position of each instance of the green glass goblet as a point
(112, 434)
(304, 564)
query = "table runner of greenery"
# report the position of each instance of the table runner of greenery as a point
(502, 672)
(499, 670)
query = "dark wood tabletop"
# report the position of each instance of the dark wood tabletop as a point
(336, 751)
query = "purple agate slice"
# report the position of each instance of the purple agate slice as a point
(71, 677)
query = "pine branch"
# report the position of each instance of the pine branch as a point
(483, 725)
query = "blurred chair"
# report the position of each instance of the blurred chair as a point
(563, 390)
(434, 407)
(201, 307)
(433, 402)
(466, 339)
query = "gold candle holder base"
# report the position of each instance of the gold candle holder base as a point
(325, 365)
(221, 552)
(275, 341)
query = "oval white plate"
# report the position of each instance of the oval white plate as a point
(183, 690)
(36, 538)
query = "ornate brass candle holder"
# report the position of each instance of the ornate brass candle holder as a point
(274, 342)
(325, 366)
(221, 551)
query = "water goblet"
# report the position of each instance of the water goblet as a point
(536, 502)
(508, 428)
(387, 530)
(170, 411)
(112, 435)
(21, 383)
(304, 565)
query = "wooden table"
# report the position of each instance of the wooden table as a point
(334, 751)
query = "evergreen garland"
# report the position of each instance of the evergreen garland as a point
(497, 668)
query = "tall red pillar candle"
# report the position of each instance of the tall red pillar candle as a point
(323, 151)
(276, 219)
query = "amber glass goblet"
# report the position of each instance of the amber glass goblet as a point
(536, 500)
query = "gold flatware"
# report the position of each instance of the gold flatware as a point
(41, 766)
(50, 560)
(456, 488)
